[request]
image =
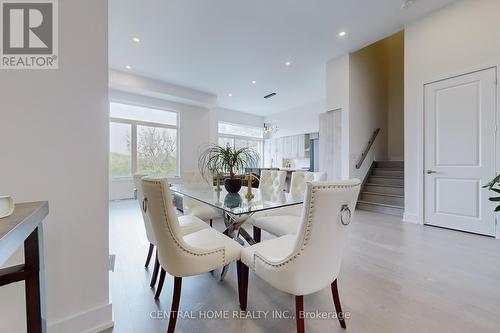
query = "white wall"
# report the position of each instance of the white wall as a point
(125, 81)
(395, 96)
(54, 146)
(460, 38)
(337, 98)
(193, 133)
(367, 86)
(234, 117)
(303, 119)
(367, 106)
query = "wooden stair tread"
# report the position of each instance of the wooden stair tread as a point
(384, 194)
(389, 168)
(384, 185)
(385, 177)
(379, 204)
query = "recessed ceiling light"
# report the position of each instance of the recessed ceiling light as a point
(342, 34)
(254, 82)
(136, 39)
(288, 63)
(128, 67)
(230, 95)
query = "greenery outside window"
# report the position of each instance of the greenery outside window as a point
(142, 140)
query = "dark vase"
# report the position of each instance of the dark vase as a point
(232, 185)
(232, 200)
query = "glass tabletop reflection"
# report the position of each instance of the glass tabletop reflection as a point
(237, 203)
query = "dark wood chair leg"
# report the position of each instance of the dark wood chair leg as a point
(155, 271)
(238, 273)
(336, 301)
(242, 284)
(175, 304)
(211, 223)
(150, 253)
(299, 313)
(257, 234)
(160, 284)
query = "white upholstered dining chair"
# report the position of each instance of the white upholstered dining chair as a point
(300, 178)
(284, 221)
(194, 207)
(272, 180)
(187, 226)
(308, 261)
(182, 255)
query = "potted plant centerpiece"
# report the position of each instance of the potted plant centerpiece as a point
(217, 159)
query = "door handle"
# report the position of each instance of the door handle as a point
(429, 172)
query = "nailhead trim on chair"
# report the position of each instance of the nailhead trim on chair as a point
(308, 228)
(223, 250)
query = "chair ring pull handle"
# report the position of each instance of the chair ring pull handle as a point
(145, 205)
(345, 215)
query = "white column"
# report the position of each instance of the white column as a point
(330, 143)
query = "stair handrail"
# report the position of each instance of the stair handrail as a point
(367, 149)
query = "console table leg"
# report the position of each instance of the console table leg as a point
(35, 282)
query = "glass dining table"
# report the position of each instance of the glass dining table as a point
(236, 208)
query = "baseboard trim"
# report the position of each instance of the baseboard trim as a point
(92, 321)
(411, 218)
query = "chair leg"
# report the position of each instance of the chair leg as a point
(242, 284)
(160, 284)
(336, 301)
(238, 273)
(257, 234)
(299, 313)
(150, 253)
(211, 223)
(155, 271)
(175, 304)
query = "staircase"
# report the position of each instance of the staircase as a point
(383, 189)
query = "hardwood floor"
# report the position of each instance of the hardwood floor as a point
(395, 277)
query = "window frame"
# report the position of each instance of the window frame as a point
(243, 137)
(133, 136)
(240, 125)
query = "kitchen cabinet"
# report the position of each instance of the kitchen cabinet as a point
(267, 153)
(273, 153)
(295, 146)
(294, 151)
(289, 147)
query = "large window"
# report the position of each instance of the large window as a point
(238, 136)
(120, 157)
(142, 140)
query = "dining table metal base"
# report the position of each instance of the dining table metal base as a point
(235, 231)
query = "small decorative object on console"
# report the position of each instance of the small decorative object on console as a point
(6, 206)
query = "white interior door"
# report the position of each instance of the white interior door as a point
(460, 125)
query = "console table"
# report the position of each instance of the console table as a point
(24, 226)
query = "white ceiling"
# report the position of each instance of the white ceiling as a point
(220, 46)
